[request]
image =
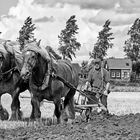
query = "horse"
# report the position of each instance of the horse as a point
(10, 80)
(44, 83)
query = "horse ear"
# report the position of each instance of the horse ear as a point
(38, 43)
(8, 46)
(5, 45)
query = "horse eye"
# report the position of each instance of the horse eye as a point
(33, 56)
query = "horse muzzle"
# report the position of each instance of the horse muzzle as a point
(25, 75)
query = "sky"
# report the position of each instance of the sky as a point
(50, 16)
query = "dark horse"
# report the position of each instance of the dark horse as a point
(36, 64)
(10, 81)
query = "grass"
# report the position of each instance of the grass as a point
(125, 88)
(120, 86)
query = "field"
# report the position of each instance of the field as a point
(119, 103)
(118, 125)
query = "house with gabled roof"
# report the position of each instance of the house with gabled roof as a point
(119, 68)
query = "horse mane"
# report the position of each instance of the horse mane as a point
(13, 48)
(32, 46)
(53, 54)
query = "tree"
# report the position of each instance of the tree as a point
(26, 33)
(68, 43)
(132, 45)
(103, 43)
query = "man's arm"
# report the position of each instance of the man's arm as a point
(87, 85)
(107, 81)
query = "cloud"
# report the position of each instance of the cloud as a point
(115, 18)
(120, 35)
(45, 19)
(50, 18)
(85, 4)
(129, 5)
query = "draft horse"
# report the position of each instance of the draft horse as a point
(36, 63)
(10, 81)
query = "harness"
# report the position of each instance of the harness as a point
(8, 72)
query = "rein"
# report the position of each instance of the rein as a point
(7, 72)
(73, 87)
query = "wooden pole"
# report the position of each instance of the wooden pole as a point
(89, 105)
(27, 97)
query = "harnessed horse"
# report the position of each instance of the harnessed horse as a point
(10, 81)
(36, 65)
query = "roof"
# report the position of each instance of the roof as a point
(119, 63)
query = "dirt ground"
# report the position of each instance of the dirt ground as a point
(99, 127)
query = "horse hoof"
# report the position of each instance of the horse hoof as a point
(13, 118)
(55, 121)
(4, 115)
(32, 117)
(20, 115)
(49, 121)
(16, 115)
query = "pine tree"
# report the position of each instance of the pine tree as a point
(26, 33)
(67, 41)
(103, 43)
(132, 45)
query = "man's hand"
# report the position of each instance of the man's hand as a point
(105, 92)
(86, 86)
(97, 95)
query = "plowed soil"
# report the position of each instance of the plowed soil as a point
(99, 127)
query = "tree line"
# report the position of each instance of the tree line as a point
(68, 44)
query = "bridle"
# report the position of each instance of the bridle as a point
(30, 64)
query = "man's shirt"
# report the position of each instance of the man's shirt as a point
(95, 78)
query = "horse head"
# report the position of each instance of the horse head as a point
(34, 57)
(29, 62)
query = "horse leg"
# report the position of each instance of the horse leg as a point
(4, 115)
(32, 117)
(36, 113)
(15, 106)
(69, 104)
(57, 110)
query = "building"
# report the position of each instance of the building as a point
(119, 68)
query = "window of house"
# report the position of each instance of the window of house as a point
(127, 64)
(125, 74)
(112, 74)
(118, 74)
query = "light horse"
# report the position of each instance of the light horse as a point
(37, 63)
(10, 81)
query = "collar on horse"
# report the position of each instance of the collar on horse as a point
(46, 80)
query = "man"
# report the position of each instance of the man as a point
(98, 81)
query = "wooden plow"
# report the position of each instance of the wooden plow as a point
(81, 101)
